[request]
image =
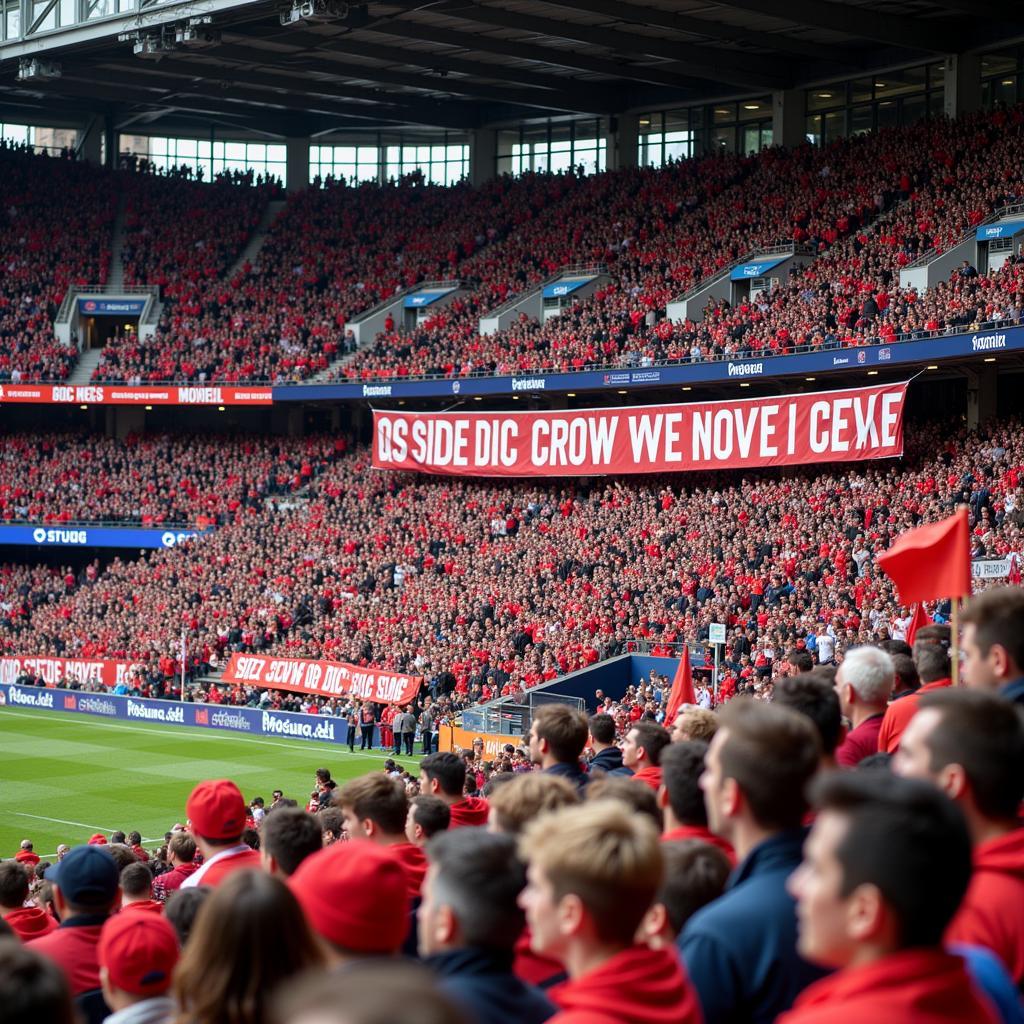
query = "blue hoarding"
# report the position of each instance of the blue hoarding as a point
(989, 232)
(422, 299)
(66, 536)
(566, 286)
(111, 307)
(838, 360)
(316, 728)
(757, 268)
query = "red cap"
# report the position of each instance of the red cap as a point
(355, 895)
(139, 952)
(217, 809)
(99, 839)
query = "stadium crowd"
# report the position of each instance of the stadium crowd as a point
(767, 862)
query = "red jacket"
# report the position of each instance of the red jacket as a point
(860, 742)
(915, 986)
(637, 986)
(471, 810)
(534, 968)
(27, 857)
(414, 862)
(702, 834)
(143, 907)
(650, 776)
(899, 714)
(219, 870)
(30, 923)
(72, 947)
(992, 913)
(169, 881)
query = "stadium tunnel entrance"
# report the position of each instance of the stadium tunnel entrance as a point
(98, 331)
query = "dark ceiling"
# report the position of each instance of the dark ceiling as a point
(459, 64)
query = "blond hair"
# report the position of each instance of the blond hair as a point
(698, 723)
(517, 803)
(605, 854)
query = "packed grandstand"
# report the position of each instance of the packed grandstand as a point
(655, 737)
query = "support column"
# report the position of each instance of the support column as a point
(623, 138)
(982, 395)
(962, 91)
(91, 145)
(109, 142)
(297, 164)
(788, 118)
(483, 153)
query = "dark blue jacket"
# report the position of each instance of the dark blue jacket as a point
(1014, 691)
(570, 772)
(481, 981)
(607, 760)
(740, 950)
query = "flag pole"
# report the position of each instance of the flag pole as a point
(181, 696)
(954, 637)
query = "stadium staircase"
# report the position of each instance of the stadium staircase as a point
(259, 236)
(87, 362)
(115, 282)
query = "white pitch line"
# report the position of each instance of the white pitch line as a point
(243, 738)
(62, 821)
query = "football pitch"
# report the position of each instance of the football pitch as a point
(65, 777)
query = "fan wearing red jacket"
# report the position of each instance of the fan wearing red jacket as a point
(641, 752)
(593, 872)
(217, 812)
(28, 922)
(883, 871)
(444, 775)
(971, 744)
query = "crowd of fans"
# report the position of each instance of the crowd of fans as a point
(768, 862)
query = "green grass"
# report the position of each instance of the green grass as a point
(64, 777)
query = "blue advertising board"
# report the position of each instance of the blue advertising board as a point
(989, 232)
(111, 307)
(422, 299)
(758, 268)
(66, 536)
(980, 345)
(255, 721)
(566, 286)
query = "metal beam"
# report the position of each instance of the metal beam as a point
(637, 15)
(1005, 14)
(878, 26)
(718, 65)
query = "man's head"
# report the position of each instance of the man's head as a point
(13, 885)
(694, 724)
(814, 698)
(470, 892)
(864, 681)
(332, 824)
(644, 743)
(85, 882)
(181, 849)
(593, 872)
(443, 775)
(323, 776)
(679, 795)
(134, 838)
(885, 868)
(515, 804)
(695, 874)
(32, 986)
(905, 672)
(970, 744)
(428, 815)
(932, 659)
(757, 768)
(374, 807)
(136, 883)
(558, 735)
(800, 661)
(288, 837)
(993, 638)
(137, 954)
(602, 731)
(217, 811)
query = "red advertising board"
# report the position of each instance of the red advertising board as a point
(91, 670)
(122, 394)
(324, 678)
(787, 430)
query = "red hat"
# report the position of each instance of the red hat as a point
(217, 809)
(355, 895)
(99, 839)
(139, 952)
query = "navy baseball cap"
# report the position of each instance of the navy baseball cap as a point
(87, 875)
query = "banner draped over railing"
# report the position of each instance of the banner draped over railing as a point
(786, 430)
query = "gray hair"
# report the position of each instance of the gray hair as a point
(870, 671)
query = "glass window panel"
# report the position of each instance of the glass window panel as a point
(188, 148)
(914, 109)
(767, 136)
(1004, 90)
(723, 113)
(862, 119)
(234, 151)
(677, 120)
(423, 154)
(758, 109)
(826, 97)
(887, 113)
(68, 12)
(936, 75)
(861, 89)
(205, 150)
(368, 154)
(997, 64)
(277, 153)
(751, 139)
(835, 125)
(812, 129)
(897, 84)
(723, 140)
(50, 21)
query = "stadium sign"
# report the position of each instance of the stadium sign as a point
(253, 721)
(111, 307)
(84, 670)
(788, 430)
(119, 394)
(94, 537)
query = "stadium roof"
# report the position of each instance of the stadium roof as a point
(459, 64)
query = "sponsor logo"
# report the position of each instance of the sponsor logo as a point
(97, 706)
(645, 377)
(754, 269)
(276, 726)
(862, 356)
(745, 369)
(560, 289)
(136, 709)
(230, 720)
(70, 703)
(83, 395)
(986, 342)
(1, 391)
(41, 536)
(201, 396)
(376, 391)
(169, 539)
(884, 355)
(840, 360)
(31, 698)
(89, 305)
(202, 716)
(3, 699)
(528, 384)
(456, 387)
(612, 379)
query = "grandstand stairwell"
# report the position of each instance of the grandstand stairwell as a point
(115, 281)
(259, 236)
(87, 362)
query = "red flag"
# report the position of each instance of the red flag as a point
(1014, 576)
(919, 618)
(933, 562)
(682, 689)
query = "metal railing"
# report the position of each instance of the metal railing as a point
(96, 524)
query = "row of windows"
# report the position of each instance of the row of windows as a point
(207, 159)
(41, 140)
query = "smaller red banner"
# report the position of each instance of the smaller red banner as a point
(324, 678)
(120, 394)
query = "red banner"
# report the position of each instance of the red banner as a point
(788, 430)
(95, 670)
(120, 394)
(325, 678)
